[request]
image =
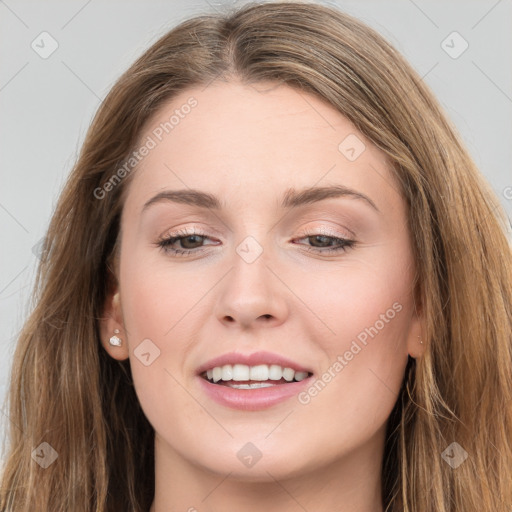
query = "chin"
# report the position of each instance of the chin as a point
(258, 461)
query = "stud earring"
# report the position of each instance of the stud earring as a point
(421, 341)
(115, 340)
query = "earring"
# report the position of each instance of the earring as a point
(421, 341)
(115, 340)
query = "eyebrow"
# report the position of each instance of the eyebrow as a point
(292, 198)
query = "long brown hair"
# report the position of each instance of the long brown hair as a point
(66, 391)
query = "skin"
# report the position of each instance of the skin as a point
(248, 145)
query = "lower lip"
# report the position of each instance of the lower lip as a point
(252, 399)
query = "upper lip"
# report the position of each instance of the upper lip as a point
(254, 359)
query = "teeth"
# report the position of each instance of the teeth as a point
(300, 375)
(227, 372)
(261, 372)
(275, 372)
(217, 373)
(288, 374)
(240, 372)
(254, 385)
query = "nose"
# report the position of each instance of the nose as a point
(251, 295)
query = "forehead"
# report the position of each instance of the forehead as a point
(253, 140)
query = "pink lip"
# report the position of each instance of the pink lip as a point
(252, 399)
(253, 359)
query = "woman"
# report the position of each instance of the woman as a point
(274, 280)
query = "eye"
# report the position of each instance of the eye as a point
(183, 243)
(189, 241)
(321, 243)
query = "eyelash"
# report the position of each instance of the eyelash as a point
(165, 243)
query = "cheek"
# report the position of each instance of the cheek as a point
(155, 310)
(359, 381)
(365, 313)
(154, 298)
(357, 300)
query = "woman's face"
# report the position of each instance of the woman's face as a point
(295, 265)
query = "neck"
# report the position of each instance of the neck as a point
(350, 483)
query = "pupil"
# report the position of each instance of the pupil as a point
(190, 239)
(320, 238)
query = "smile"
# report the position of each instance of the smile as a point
(241, 376)
(252, 382)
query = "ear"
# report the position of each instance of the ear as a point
(111, 321)
(415, 341)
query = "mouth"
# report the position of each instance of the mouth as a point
(241, 376)
(252, 382)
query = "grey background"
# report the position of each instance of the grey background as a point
(46, 105)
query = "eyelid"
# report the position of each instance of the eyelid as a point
(302, 232)
(207, 232)
(322, 230)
